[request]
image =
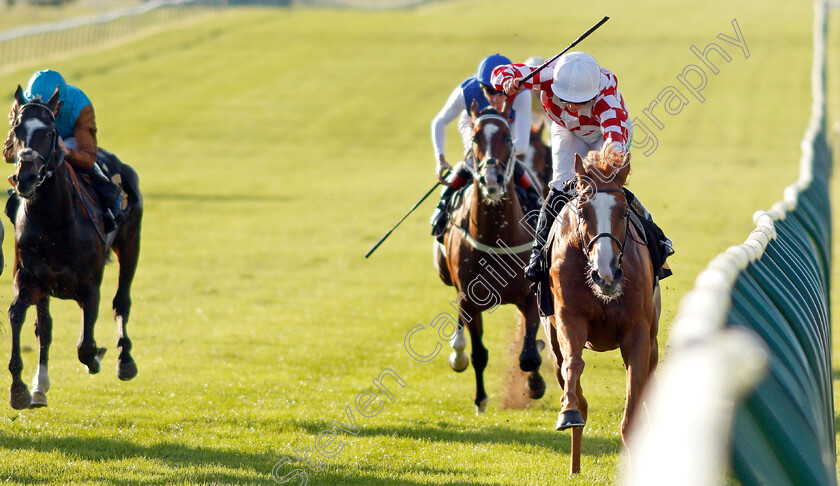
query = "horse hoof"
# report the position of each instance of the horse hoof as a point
(39, 399)
(536, 386)
(529, 362)
(458, 361)
(569, 419)
(19, 397)
(93, 365)
(126, 370)
(481, 406)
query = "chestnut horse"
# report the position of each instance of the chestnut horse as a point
(484, 250)
(604, 290)
(60, 249)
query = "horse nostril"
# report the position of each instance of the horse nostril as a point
(618, 275)
(595, 277)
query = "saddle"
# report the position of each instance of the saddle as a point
(84, 183)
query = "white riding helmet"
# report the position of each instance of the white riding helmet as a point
(577, 77)
(534, 61)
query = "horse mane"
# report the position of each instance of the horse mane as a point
(597, 166)
(489, 110)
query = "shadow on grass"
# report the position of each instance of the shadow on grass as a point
(242, 468)
(557, 442)
(187, 462)
(371, 476)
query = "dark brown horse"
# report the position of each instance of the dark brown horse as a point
(484, 250)
(538, 157)
(605, 294)
(60, 249)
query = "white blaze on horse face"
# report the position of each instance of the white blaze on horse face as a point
(604, 254)
(489, 130)
(31, 126)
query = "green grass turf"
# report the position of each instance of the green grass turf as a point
(275, 147)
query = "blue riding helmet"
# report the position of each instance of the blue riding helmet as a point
(42, 85)
(486, 66)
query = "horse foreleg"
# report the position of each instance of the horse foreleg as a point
(636, 352)
(19, 396)
(551, 332)
(128, 254)
(479, 352)
(89, 354)
(529, 359)
(577, 432)
(571, 338)
(43, 329)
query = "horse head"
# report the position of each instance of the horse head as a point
(37, 154)
(602, 213)
(492, 148)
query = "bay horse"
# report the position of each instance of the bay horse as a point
(61, 249)
(484, 250)
(604, 290)
(538, 157)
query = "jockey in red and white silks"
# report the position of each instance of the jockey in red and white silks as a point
(590, 114)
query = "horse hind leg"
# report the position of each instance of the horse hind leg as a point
(89, 354)
(636, 353)
(128, 253)
(43, 330)
(459, 360)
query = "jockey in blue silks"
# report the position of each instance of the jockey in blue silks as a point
(478, 88)
(76, 125)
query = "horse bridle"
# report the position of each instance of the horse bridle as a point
(508, 174)
(611, 236)
(44, 171)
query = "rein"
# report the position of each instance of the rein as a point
(611, 236)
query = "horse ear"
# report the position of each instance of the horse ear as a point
(474, 109)
(19, 96)
(52, 104)
(579, 169)
(541, 127)
(624, 172)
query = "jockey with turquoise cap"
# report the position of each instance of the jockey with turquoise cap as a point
(76, 126)
(478, 87)
(587, 112)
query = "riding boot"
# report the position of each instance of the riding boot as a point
(665, 245)
(12, 206)
(554, 202)
(110, 198)
(534, 202)
(441, 214)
